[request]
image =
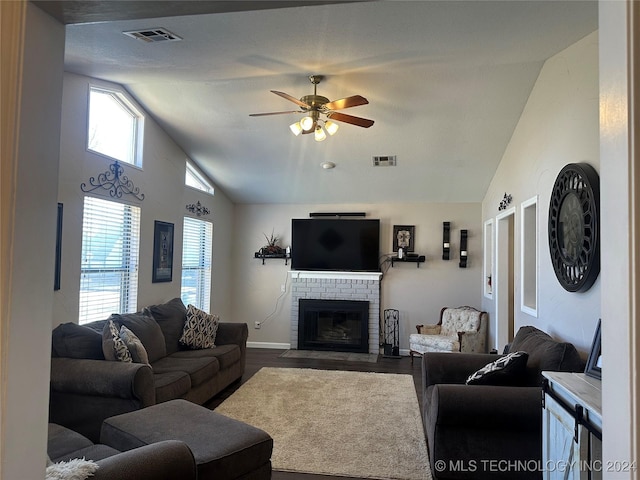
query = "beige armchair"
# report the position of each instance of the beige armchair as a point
(461, 329)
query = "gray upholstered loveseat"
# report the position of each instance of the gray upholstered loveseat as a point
(86, 388)
(492, 430)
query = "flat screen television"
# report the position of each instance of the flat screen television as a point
(335, 244)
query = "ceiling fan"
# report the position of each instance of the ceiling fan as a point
(315, 106)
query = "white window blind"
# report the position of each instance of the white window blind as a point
(196, 262)
(109, 268)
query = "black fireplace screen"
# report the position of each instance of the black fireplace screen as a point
(337, 325)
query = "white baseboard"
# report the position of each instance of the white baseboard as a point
(275, 346)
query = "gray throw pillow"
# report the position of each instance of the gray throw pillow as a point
(135, 346)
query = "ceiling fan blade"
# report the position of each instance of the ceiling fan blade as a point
(343, 117)
(272, 113)
(291, 99)
(347, 102)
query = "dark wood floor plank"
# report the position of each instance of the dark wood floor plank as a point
(262, 357)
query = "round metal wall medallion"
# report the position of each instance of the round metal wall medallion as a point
(574, 227)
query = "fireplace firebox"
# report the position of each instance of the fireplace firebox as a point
(336, 325)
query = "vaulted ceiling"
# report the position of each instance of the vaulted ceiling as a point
(446, 82)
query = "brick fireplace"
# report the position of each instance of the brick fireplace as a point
(354, 286)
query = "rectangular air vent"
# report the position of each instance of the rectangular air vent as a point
(153, 35)
(384, 161)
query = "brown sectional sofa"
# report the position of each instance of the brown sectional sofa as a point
(86, 388)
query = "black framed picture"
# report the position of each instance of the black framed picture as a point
(56, 279)
(404, 236)
(162, 252)
(594, 362)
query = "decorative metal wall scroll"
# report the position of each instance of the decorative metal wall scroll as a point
(505, 202)
(114, 181)
(198, 209)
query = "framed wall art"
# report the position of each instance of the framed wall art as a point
(594, 362)
(162, 252)
(404, 236)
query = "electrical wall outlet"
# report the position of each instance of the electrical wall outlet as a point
(258, 325)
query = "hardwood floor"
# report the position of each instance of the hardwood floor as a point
(259, 357)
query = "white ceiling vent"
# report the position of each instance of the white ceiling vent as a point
(153, 35)
(384, 161)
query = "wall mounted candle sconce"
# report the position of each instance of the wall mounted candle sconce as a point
(463, 249)
(446, 246)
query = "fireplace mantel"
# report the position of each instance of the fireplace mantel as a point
(338, 275)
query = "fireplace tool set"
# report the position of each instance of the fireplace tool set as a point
(391, 334)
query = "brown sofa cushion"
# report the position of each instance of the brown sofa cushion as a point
(545, 353)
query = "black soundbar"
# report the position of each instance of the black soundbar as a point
(337, 214)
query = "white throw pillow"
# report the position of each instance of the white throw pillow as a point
(200, 329)
(76, 469)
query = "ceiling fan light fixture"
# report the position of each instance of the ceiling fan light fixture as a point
(331, 127)
(296, 128)
(319, 134)
(307, 123)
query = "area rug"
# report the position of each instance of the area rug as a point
(339, 423)
(341, 356)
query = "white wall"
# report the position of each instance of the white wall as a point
(418, 293)
(161, 180)
(559, 125)
(27, 332)
(620, 267)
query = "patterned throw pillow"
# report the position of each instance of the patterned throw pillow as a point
(199, 329)
(507, 370)
(135, 346)
(119, 347)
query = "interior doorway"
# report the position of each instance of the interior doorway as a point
(504, 286)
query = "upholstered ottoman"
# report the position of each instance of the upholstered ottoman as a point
(224, 448)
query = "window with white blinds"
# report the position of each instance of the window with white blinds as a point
(109, 269)
(196, 262)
